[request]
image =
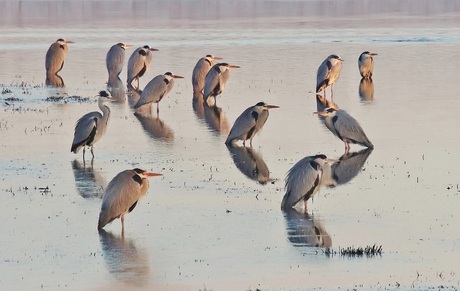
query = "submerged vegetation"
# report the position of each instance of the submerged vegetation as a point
(368, 251)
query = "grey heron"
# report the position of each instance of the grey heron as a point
(122, 194)
(303, 181)
(156, 89)
(139, 62)
(249, 123)
(328, 72)
(54, 62)
(366, 64)
(216, 79)
(115, 59)
(91, 126)
(200, 70)
(345, 127)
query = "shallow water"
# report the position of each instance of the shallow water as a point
(210, 222)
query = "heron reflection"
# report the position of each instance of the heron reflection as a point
(116, 88)
(89, 183)
(155, 127)
(303, 230)
(250, 163)
(348, 167)
(366, 90)
(124, 260)
(213, 116)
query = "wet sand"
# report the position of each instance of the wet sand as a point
(209, 223)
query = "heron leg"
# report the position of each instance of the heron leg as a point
(244, 143)
(84, 153)
(250, 142)
(158, 108)
(92, 152)
(347, 147)
(122, 218)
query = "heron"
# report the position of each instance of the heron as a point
(115, 59)
(139, 62)
(345, 127)
(328, 73)
(122, 194)
(200, 70)
(249, 123)
(54, 62)
(216, 79)
(91, 126)
(304, 180)
(156, 89)
(366, 64)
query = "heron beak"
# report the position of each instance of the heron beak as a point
(320, 113)
(128, 46)
(177, 77)
(374, 54)
(271, 106)
(149, 174)
(332, 161)
(218, 58)
(233, 66)
(153, 49)
(69, 41)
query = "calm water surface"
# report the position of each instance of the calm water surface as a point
(213, 222)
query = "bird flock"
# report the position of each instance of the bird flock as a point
(209, 79)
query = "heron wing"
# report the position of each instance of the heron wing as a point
(153, 92)
(348, 129)
(301, 182)
(115, 60)
(120, 195)
(54, 58)
(199, 74)
(85, 129)
(323, 75)
(212, 80)
(135, 64)
(243, 124)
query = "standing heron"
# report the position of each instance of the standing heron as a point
(249, 123)
(115, 59)
(139, 62)
(216, 79)
(122, 194)
(200, 70)
(91, 126)
(328, 73)
(156, 89)
(303, 181)
(54, 62)
(345, 127)
(366, 64)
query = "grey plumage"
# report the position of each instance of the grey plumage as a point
(91, 126)
(345, 127)
(139, 62)
(303, 181)
(249, 123)
(115, 59)
(122, 194)
(54, 62)
(328, 73)
(216, 80)
(366, 64)
(200, 70)
(156, 89)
